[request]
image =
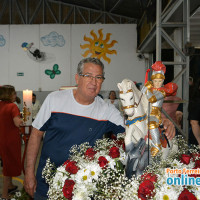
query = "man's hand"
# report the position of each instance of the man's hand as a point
(30, 183)
(169, 129)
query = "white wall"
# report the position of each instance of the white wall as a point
(14, 59)
(4, 54)
(18, 59)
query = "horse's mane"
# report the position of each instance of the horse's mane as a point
(127, 84)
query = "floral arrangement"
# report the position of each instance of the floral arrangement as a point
(170, 179)
(90, 173)
(97, 173)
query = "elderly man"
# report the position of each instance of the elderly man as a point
(71, 117)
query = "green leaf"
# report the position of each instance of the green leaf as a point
(58, 72)
(48, 72)
(119, 165)
(55, 67)
(52, 76)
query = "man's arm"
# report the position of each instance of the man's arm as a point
(31, 156)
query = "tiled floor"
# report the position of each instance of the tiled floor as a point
(16, 180)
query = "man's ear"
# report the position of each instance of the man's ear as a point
(77, 78)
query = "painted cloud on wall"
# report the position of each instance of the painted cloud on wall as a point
(53, 39)
(2, 41)
(98, 47)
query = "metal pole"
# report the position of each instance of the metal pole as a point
(186, 39)
(158, 30)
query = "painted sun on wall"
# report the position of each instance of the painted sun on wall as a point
(98, 47)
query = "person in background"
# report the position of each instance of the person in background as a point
(35, 106)
(191, 83)
(194, 110)
(179, 115)
(112, 98)
(71, 117)
(170, 105)
(18, 102)
(10, 140)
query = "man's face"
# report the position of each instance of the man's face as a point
(89, 88)
(157, 83)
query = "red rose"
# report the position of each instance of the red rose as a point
(102, 161)
(186, 195)
(90, 153)
(145, 190)
(114, 152)
(71, 167)
(66, 162)
(68, 188)
(149, 176)
(185, 159)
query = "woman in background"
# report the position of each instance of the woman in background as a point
(10, 140)
(113, 99)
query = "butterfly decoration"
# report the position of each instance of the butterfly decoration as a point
(54, 72)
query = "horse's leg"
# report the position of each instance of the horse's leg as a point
(129, 143)
(138, 134)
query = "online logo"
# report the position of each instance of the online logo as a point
(184, 176)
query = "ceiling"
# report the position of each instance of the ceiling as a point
(136, 8)
(111, 11)
(128, 8)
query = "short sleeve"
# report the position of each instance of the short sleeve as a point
(43, 114)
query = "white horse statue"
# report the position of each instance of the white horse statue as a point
(135, 106)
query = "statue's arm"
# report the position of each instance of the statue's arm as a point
(155, 96)
(148, 85)
(152, 95)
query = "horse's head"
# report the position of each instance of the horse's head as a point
(127, 97)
